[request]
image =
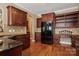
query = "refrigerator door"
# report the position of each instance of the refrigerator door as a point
(46, 32)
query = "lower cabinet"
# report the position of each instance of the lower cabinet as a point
(17, 51)
(25, 39)
(38, 36)
(56, 39)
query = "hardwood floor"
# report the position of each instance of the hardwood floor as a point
(38, 49)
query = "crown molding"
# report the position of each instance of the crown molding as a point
(76, 8)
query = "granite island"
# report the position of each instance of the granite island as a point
(10, 47)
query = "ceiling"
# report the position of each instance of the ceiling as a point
(40, 8)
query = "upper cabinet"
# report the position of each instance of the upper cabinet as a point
(44, 18)
(39, 22)
(67, 20)
(48, 17)
(16, 17)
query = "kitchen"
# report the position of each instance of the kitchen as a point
(11, 28)
(18, 37)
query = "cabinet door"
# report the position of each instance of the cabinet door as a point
(78, 20)
(16, 17)
(38, 36)
(15, 51)
(10, 15)
(56, 39)
(22, 18)
(38, 22)
(25, 39)
(48, 17)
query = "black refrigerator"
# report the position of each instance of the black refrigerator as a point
(47, 32)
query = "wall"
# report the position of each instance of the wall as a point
(4, 14)
(33, 17)
(4, 18)
(3, 7)
(32, 20)
(75, 31)
(30, 25)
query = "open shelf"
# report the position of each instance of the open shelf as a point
(69, 20)
(66, 21)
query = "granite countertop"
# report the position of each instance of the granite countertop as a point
(9, 44)
(11, 33)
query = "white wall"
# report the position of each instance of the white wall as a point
(4, 13)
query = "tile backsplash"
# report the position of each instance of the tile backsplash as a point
(75, 31)
(14, 29)
(38, 30)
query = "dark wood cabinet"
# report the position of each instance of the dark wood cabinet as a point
(56, 39)
(48, 17)
(25, 39)
(17, 51)
(45, 17)
(38, 36)
(16, 17)
(39, 22)
(78, 19)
